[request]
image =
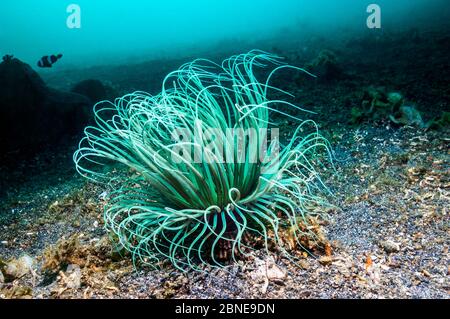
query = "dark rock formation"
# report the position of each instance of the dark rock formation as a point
(95, 90)
(33, 115)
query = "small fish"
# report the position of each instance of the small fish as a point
(48, 60)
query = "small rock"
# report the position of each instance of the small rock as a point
(385, 267)
(304, 264)
(326, 260)
(389, 246)
(19, 267)
(275, 273)
(72, 277)
(2, 279)
(76, 223)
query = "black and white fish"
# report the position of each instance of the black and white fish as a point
(48, 60)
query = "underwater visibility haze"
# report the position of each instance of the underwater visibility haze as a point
(224, 149)
(141, 29)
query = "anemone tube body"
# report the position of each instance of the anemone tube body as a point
(178, 209)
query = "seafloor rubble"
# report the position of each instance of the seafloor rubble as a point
(388, 239)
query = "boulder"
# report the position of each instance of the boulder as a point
(33, 115)
(95, 90)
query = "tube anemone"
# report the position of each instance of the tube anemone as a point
(209, 168)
